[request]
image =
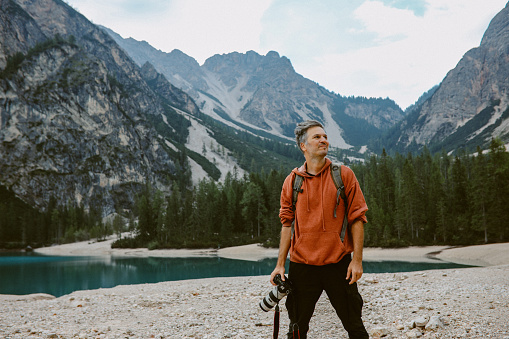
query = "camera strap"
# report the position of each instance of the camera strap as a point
(276, 321)
(295, 329)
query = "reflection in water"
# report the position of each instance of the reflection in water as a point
(24, 273)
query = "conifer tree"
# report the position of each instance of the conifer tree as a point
(174, 221)
(480, 195)
(460, 199)
(253, 208)
(410, 198)
(498, 177)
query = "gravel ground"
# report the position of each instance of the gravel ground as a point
(457, 303)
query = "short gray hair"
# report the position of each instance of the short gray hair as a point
(301, 131)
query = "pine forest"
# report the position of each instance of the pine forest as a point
(417, 200)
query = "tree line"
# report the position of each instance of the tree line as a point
(419, 199)
(412, 200)
(440, 199)
(22, 225)
(240, 210)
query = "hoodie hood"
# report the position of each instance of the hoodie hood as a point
(302, 169)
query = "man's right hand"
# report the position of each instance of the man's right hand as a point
(277, 270)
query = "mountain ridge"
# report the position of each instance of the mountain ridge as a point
(471, 104)
(264, 93)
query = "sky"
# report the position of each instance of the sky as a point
(373, 48)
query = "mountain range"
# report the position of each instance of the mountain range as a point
(90, 117)
(264, 93)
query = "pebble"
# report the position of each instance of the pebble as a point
(438, 304)
(421, 321)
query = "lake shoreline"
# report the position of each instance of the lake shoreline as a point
(479, 255)
(462, 303)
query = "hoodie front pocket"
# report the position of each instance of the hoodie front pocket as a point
(320, 248)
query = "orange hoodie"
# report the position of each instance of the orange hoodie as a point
(316, 239)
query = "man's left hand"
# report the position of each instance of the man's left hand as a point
(354, 271)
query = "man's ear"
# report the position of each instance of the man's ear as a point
(302, 146)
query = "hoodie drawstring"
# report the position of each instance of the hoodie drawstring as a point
(321, 187)
(307, 194)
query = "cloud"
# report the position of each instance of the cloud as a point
(373, 48)
(199, 28)
(409, 53)
(302, 28)
(204, 28)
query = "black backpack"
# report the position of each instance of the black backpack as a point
(338, 182)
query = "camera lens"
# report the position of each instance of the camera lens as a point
(271, 299)
(279, 291)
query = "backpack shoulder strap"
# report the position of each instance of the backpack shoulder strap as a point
(297, 184)
(338, 181)
(336, 177)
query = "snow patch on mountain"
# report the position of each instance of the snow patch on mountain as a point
(493, 119)
(230, 100)
(503, 129)
(170, 145)
(165, 119)
(201, 141)
(333, 130)
(197, 172)
(233, 98)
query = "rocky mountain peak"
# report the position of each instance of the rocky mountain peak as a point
(149, 72)
(471, 105)
(64, 20)
(247, 62)
(20, 33)
(498, 28)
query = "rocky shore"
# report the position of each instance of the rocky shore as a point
(454, 303)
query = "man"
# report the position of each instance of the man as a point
(319, 260)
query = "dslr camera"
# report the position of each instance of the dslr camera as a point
(281, 290)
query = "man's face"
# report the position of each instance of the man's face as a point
(316, 142)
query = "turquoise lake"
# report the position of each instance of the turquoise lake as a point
(25, 273)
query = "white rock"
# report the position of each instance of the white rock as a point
(435, 323)
(421, 321)
(415, 333)
(379, 332)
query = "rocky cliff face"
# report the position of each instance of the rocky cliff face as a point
(264, 93)
(162, 86)
(472, 103)
(75, 111)
(19, 32)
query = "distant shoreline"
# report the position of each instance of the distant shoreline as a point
(479, 255)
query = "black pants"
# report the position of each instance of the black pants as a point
(308, 284)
